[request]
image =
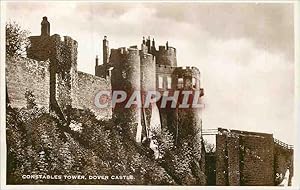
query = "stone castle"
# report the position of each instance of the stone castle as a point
(50, 74)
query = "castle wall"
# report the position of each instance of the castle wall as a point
(244, 158)
(258, 160)
(233, 161)
(210, 168)
(88, 86)
(221, 160)
(22, 75)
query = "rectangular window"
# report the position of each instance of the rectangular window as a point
(160, 82)
(180, 83)
(169, 82)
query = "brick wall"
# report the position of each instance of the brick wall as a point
(23, 74)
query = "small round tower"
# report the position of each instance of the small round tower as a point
(190, 118)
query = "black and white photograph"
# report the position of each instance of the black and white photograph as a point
(148, 93)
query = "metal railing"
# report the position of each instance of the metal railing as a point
(282, 144)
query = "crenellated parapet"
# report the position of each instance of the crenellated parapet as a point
(166, 56)
(188, 77)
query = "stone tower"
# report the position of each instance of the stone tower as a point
(105, 50)
(190, 118)
(45, 27)
(62, 53)
(125, 76)
(149, 69)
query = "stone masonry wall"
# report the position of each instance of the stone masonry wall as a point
(258, 160)
(283, 161)
(23, 74)
(244, 158)
(233, 160)
(88, 86)
(221, 160)
(166, 56)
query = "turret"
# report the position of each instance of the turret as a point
(97, 60)
(166, 55)
(62, 54)
(190, 122)
(45, 27)
(148, 44)
(153, 49)
(144, 41)
(105, 51)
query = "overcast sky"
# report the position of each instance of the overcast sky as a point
(244, 51)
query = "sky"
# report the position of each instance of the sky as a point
(245, 52)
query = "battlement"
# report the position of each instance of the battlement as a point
(145, 54)
(166, 49)
(187, 68)
(124, 50)
(92, 77)
(166, 56)
(66, 40)
(55, 46)
(187, 72)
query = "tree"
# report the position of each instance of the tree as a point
(209, 147)
(16, 39)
